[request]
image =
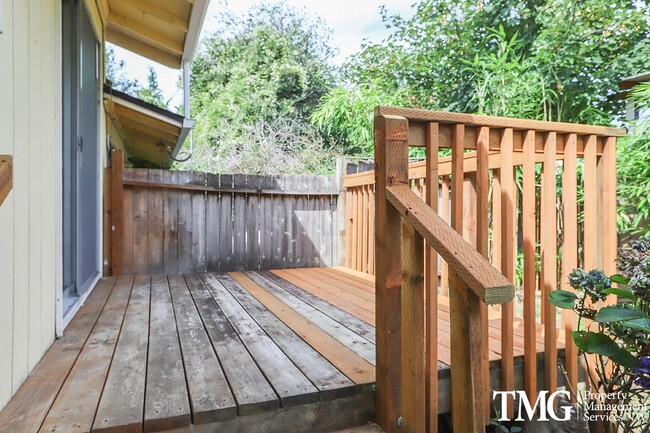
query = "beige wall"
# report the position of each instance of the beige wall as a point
(30, 130)
(30, 218)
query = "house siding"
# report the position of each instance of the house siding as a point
(30, 218)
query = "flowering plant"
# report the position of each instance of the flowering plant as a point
(616, 334)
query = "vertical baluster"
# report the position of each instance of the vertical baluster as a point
(431, 284)
(529, 228)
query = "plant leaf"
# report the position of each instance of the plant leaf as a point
(601, 344)
(619, 314)
(642, 324)
(620, 279)
(563, 299)
(621, 293)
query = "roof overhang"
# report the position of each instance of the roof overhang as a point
(165, 31)
(629, 82)
(150, 133)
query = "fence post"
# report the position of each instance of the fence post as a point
(341, 164)
(117, 212)
(391, 168)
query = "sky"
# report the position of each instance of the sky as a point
(351, 21)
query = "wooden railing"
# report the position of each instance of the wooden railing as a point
(6, 176)
(476, 193)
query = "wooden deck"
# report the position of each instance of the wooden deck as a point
(239, 352)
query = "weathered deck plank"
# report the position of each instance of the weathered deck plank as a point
(210, 396)
(75, 406)
(328, 379)
(166, 403)
(249, 386)
(352, 365)
(27, 409)
(289, 383)
(122, 404)
(219, 345)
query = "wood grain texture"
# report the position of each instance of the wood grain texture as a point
(329, 381)
(483, 243)
(28, 408)
(6, 176)
(413, 114)
(209, 393)
(478, 274)
(250, 388)
(570, 254)
(391, 157)
(289, 383)
(75, 406)
(166, 401)
(508, 228)
(117, 212)
(121, 407)
(529, 236)
(360, 371)
(414, 368)
(464, 309)
(549, 260)
(431, 286)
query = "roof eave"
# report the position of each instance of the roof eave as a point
(197, 17)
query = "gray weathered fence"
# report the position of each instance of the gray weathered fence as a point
(178, 222)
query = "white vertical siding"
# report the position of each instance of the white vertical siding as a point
(30, 219)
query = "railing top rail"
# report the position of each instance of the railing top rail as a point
(418, 115)
(467, 263)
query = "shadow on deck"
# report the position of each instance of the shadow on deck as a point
(270, 351)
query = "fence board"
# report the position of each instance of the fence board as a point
(185, 222)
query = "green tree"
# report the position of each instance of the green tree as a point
(271, 64)
(152, 93)
(633, 165)
(115, 73)
(574, 50)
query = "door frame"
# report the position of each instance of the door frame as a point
(62, 317)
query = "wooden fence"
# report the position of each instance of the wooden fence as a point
(171, 222)
(477, 191)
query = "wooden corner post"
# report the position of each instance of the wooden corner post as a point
(391, 159)
(117, 212)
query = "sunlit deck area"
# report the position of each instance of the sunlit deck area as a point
(227, 352)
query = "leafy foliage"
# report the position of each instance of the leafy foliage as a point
(271, 64)
(619, 335)
(633, 165)
(544, 59)
(120, 81)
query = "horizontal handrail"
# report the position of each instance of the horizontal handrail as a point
(468, 264)
(443, 117)
(6, 176)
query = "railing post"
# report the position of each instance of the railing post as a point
(391, 159)
(117, 212)
(413, 376)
